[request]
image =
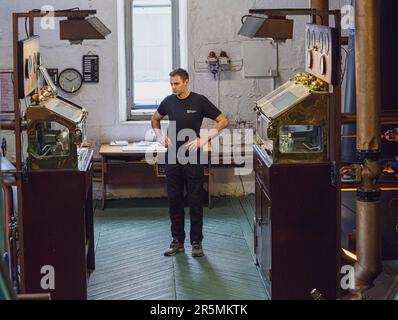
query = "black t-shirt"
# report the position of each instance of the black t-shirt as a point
(188, 113)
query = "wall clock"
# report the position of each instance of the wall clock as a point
(70, 80)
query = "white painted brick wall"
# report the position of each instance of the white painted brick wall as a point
(212, 25)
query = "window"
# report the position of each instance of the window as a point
(152, 52)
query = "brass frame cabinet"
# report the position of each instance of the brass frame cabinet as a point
(295, 228)
(59, 231)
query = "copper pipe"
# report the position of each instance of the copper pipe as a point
(18, 146)
(386, 118)
(7, 125)
(368, 98)
(368, 252)
(10, 125)
(31, 26)
(17, 110)
(294, 12)
(321, 5)
(367, 55)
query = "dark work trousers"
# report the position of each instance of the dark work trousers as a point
(191, 176)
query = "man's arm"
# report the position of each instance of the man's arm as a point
(221, 123)
(155, 122)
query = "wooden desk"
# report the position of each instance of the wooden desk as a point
(130, 168)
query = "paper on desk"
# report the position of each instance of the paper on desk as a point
(144, 147)
(119, 143)
(145, 143)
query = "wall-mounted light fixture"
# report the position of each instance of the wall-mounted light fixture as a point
(275, 27)
(79, 27)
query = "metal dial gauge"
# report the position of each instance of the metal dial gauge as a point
(308, 39)
(313, 40)
(326, 45)
(321, 42)
(310, 60)
(28, 67)
(322, 64)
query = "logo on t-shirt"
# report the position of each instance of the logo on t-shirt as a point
(191, 111)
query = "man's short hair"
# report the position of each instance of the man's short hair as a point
(180, 72)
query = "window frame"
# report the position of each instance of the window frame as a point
(132, 112)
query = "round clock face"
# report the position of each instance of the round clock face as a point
(70, 80)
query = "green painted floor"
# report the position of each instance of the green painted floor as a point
(132, 235)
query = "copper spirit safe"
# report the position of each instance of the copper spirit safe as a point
(56, 128)
(295, 226)
(292, 122)
(60, 233)
(55, 209)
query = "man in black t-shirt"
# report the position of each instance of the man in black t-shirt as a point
(185, 111)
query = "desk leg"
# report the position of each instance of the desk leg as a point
(103, 167)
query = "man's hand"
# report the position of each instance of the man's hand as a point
(165, 141)
(198, 143)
